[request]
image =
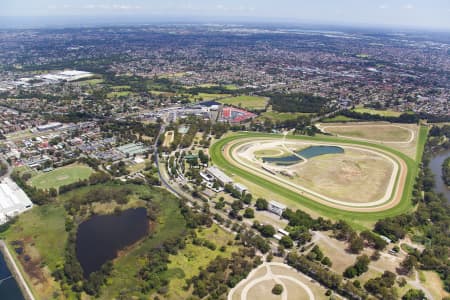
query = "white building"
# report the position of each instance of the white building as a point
(13, 200)
(240, 188)
(220, 176)
(276, 207)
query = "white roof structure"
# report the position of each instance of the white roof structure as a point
(13, 200)
(219, 175)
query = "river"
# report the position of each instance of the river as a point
(436, 167)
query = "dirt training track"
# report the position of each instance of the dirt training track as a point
(229, 152)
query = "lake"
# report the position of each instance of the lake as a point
(9, 289)
(101, 237)
(313, 151)
(436, 167)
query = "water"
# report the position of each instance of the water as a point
(285, 160)
(307, 153)
(9, 289)
(436, 167)
(319, 150)
(101, 237)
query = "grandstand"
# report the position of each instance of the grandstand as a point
(235, 115)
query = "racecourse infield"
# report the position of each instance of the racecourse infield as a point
(399, 202)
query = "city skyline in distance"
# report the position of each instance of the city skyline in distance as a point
(419, 14)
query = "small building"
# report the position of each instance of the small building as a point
(276, 207)
(49, 126)
(283, 232)
(240, 188)
(220, 176)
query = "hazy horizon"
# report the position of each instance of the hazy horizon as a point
(417, 14)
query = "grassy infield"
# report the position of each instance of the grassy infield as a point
(358, 219)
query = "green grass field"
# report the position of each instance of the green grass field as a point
(90, 81)
(280, 117)
(119, 94)
(338, 118)
(206, 96)
(384, 113)
(188, 262)
(248, 102)
(359, 220)
(61, 176)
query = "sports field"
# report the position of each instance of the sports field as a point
(314, 187)
(61, 176)
(384, 113)
(248, 102)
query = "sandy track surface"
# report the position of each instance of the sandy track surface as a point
(395, 198)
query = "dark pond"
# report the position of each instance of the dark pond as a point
(102, 236)
(284, 160)
(436, 167)
(305, 153)
(319, 150)
(9, 289)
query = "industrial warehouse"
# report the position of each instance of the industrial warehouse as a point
(13, 200)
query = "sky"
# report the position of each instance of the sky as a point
(402, 13)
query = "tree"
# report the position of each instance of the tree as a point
(409, 263)
(287, 242)
(249, 213)
(326, 261)
(413, 294)
(356, 244)
(267, 230)
(261, 204)
(277, 289)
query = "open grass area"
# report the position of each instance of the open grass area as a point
(373, 132)
(384, 113)
(61, 176)
(360, 220)
(42, 236)
(119, 94)
(280, 116)
(206, 96)
(338, 118)
(188, 262)
(248, 102)
(94, 81)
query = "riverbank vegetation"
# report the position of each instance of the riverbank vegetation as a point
(446, 171)
(429, 224)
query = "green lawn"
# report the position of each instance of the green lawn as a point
(119, 94)
(42, 231)
(248, 102)
(384, 113)
(338, 118)
(206, 96)
(61, 176)
(94, 81)
(187, 262)
(281, 116)
(358, 219)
